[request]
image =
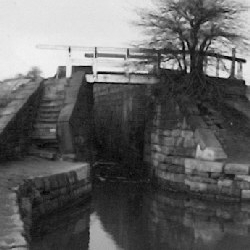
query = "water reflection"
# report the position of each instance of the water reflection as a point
(131, 217)
(67, 230)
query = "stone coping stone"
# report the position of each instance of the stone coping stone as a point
(12, 175)
(192, 165)
(237, 168)
(208, 148)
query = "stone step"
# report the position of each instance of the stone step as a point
(50, 155)
(47, 120)
(46, 115)
(42, 136)
(58, 99)
(49, 112)
(50, 108)
(48, 127)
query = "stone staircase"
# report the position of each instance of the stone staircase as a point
(44, 137)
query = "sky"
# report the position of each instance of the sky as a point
(26, 23)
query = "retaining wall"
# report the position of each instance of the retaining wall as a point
(75, 122)
(185, 154)
(17, 118)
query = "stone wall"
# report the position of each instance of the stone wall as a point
(186, 152)
(119, 120)
(40, 196)
(75, 122)
(17, 118)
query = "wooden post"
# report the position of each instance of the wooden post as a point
(232, 75)
(126, 62)
(217, 66)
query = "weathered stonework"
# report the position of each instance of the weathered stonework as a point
(186, 151)
(17, 119)
(34, 188)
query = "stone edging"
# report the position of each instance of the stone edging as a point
(39, 196)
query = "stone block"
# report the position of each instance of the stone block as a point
(196, 186)
(245, 194)
(159, 157)
(39, 183)
(225, 183)
(82, 172)
(212, 188)
(237, 169)
(155, 163)
(176, 169)
(215, 175)
(232, 191)
(189, 143)
(184, 152)
(243, 185)
(167, 150)
(243, 178)
(162, 166)
(201, 179)
(210, 154)
(156, 148)
(169, 141)
(208, 147)
(179, 141)
(178, 161)
(203, 166)
(176, 132)
(187, 133)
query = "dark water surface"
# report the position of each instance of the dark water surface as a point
(130, 217)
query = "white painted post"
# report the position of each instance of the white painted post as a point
(232, 75)
(240, 70)
(217, 66)
(126, 63)
(205, 61)
(95, 70)
(69, 64)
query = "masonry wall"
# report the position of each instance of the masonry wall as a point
(40, 196)
(185, 153)
(75, 122)
(16, 120)
(119, 112)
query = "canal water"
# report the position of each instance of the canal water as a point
(129, 216)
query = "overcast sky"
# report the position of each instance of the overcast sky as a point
(25, 23)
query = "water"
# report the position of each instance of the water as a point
(131, 217)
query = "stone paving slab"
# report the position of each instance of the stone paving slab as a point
(12, 174)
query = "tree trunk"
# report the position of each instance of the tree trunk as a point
(192, 61)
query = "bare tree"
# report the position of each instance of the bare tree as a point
(193, 27)
(34, 72)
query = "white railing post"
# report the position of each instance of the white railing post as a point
(126, 63)
(232, 75)
(239, 70)
(217, 66)
(95, 70)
